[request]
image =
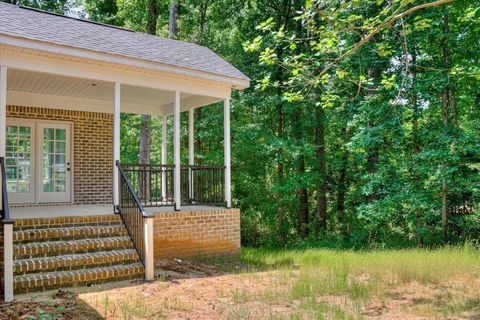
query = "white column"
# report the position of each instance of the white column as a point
(116, 142)
(3, 109)
(8, 225)
(191, 150)
(176, 151)
(226, 143)
(164, 157)
(149, 254)
(8, 261)
(191, 141)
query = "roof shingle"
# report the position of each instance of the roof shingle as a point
(41, 26)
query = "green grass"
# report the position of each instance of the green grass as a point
(339, 284)
(421, 265)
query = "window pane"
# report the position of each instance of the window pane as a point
(24, 131)
(47, 185)
(48, 134)
(60, 159)
(48, 147)
(59, 185)
(12, 186)
(60, 147)
(60, 134)
(12, 130)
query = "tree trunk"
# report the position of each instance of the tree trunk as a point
(152, 17)
(342, 182)
(301, 191)
(373, 151)
(174, 12)
(145, 129)
(416, 145)
(282, 232)
(322, 169)
(448, 117)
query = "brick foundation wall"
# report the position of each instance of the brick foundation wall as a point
(196, 233)
(93, 150)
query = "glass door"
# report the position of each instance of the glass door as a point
(19, 160)
(54, 167)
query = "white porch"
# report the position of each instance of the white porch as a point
(59, 91)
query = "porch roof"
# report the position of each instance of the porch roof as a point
(19, 22)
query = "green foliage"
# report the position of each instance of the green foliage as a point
(389, 139)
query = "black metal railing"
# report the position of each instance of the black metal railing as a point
(154, 184)
(5, 211)
(131, 212)
(203, 185)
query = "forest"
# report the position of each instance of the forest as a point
(361, 128)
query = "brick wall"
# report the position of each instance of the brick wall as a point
(196, 233)
(93, 150)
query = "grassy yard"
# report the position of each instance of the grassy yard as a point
(309, 284)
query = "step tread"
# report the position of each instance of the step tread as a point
(40, 223)
(75, 260)
(68, 232)
(66, 278)
(66, 245)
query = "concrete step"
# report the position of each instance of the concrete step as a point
(75, 261)
(62, 247)
(61, 279)
(68, 233)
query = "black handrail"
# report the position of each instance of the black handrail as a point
(5, 215)
(132, 213)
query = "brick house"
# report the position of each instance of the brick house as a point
(72, 213)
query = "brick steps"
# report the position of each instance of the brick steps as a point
(43, 223)
(52, 253)
(52, 280)
(75, 261)
(78, 232)
(49, 248)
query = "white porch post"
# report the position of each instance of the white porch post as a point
(3, 109)
(7, 224)
(226, 144)
(116, 143)
(176, 151)
(191, 141)
(149, 255)
(164, 157)
(191, 150)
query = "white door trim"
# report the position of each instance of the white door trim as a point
(36, 156)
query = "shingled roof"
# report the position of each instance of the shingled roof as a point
(22, 22)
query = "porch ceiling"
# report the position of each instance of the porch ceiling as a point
(27, 88)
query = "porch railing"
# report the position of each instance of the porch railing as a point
(139, 225)
(154, 184)
(203, 185)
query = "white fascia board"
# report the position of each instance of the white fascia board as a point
(109, 73)
(236, 83)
